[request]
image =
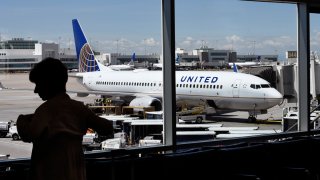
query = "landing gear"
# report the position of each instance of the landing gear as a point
(252, 119)
(252, 115)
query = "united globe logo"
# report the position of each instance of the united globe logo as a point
(87, 62)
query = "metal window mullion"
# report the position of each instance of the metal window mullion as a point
(303, 66)
(169, 91)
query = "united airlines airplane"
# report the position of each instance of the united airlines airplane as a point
(220, 90)
(124, 67)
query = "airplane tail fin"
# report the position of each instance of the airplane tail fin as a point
(235, 68)
(85, 55)
(133, 59)
(178, 60)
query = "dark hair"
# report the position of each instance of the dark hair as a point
(51, 72)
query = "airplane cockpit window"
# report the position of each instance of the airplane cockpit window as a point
(265, 86)
(258, 86)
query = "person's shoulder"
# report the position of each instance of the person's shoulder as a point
(77, 103)
(43, 106)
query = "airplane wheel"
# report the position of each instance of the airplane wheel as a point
(15, 137)
(199, 120)
(252, 119)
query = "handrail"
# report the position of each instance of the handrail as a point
(311, 122)
(165, 149)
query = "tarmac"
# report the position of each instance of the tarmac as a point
(19, 98)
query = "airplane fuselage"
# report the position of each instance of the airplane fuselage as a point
(228, 90)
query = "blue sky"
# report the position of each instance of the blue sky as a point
(128, 26)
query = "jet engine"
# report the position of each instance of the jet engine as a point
(147, 101)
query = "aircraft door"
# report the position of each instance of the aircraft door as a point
(88, 81)
(236, 88)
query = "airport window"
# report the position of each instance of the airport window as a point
(234, 34)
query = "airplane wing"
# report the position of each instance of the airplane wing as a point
(114, 93)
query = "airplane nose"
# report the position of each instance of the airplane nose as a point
(278, 96)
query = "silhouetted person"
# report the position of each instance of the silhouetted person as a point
(57, 126)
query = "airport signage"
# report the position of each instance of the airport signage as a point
(291, 54)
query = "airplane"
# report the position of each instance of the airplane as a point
(244, 64)
(159, 65)
(219, 90)
(122, 67)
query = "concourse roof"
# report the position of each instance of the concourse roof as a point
(314, 5)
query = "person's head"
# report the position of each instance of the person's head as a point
(50, 76)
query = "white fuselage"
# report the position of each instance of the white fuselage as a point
(244, 64)
(228, 90)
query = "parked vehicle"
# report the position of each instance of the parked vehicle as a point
(4, 128)
(13, 132)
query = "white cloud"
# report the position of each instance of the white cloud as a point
(150, 42)
(188, 41)
(234, 39)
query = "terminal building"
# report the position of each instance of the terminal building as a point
(21, 54)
